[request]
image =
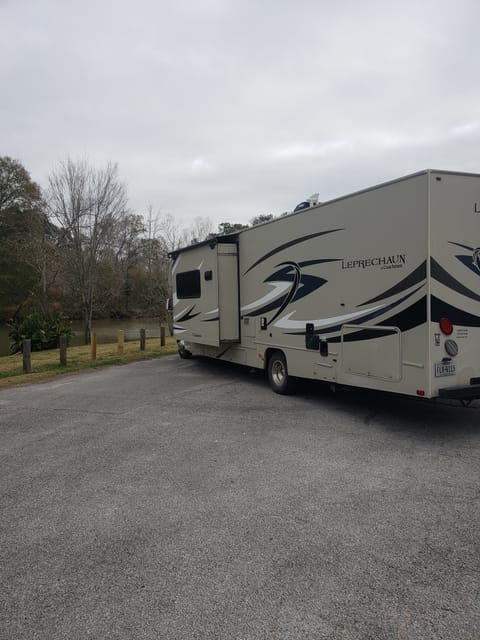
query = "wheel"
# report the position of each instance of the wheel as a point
(280, 381)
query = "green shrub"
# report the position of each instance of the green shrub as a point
(44, 332)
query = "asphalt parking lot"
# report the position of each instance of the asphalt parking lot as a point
(177, 499)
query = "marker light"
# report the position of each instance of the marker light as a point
(446, 326)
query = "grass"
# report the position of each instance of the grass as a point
(46, 364)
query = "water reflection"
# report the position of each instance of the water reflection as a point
(106, 330)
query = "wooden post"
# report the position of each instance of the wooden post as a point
(93, 345)
(142, 339)
(162, 336)
(121, 340)
(63, 350)
(27, 356)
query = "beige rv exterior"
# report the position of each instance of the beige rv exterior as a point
(362, 290)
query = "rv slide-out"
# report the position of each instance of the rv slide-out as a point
(377, 289)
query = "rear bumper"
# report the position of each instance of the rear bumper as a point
(467, 392)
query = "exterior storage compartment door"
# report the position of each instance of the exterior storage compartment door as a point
(373, 351)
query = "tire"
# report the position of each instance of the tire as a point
(280, 381)
(184, 354)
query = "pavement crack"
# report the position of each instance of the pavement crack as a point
(88, 411)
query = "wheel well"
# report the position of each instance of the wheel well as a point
(268, 354)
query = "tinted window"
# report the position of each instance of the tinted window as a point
(188, 284)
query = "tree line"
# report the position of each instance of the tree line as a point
(75, 249)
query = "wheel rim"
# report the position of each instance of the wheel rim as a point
(278, 372)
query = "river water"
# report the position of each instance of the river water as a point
(106, 330)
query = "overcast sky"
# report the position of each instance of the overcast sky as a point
(233, 108)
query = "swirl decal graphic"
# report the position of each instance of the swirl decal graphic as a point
(289, 266)
(289, 285)
(471, 261)
(476, 258)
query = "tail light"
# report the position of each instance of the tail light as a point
(446, 326)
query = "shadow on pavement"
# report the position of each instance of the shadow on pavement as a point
(427, 418)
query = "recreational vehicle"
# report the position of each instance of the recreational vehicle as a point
(377, 289)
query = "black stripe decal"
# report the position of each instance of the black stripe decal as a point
(449, 281)
(463, 246)
(188, 315)
(268, 307)
(409, 318)
(364, 334)
(412, 279)
(291, 293)
(290, 244)
(362, 319)
(440, 309)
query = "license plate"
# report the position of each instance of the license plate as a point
(445, 369)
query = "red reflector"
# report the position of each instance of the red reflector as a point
(420, 392)
(446, 326)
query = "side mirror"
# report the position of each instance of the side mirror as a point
(169, 304)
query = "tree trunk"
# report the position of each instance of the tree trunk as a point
(170, 323)
(88, 326)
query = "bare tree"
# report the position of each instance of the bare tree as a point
(175, 236)
(170, 231)
(88, 204)
(198, 231)
(154, 251)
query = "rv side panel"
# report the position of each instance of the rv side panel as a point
(351, 273)
(455, 279)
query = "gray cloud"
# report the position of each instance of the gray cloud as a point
(230, 108)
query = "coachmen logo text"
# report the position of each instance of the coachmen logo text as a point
(384, 262)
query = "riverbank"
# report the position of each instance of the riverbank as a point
(46, 364)
(106, 330)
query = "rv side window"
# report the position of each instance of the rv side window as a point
(188, 284)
